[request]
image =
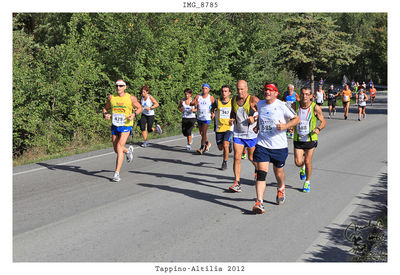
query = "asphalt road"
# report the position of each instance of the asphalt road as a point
(173, 206)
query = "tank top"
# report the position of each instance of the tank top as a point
(121, 108)
(187, 110)
(346, 95)
(361, 102)
(204, 108)
(222, 116)
(320, 97)
(242, 128)
(147, 103)
(290, 98)
(331, 94)
(308, 121)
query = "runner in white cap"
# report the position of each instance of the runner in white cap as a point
(122, 107)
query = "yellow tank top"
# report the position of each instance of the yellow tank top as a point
(222, 116)
(121, 108)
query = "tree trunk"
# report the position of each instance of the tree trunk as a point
(312, 77)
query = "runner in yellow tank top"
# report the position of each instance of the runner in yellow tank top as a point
(122, 116)
(221, 111)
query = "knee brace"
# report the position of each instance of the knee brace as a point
(261, 175)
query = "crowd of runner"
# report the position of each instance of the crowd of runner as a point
(253, 128)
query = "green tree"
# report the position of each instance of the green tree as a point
(314, 43)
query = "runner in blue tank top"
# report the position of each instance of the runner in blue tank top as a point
(290, 97)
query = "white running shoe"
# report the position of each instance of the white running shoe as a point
(129, 154)
(116, 177)
(188, 147)
(145, 143)
(158, 129)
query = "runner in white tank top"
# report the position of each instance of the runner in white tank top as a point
(149, 103)
(188, 117)
(361, 99)
(203, 103)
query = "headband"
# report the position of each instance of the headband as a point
(120, 82)
(271, 87)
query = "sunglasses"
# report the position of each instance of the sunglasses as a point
(119, 86)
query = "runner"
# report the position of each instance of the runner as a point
(149, 103)
(290, 97)
(272, 145)
(122, 115)
(243, 115)
(203, 103)
(306, 134)
(188, 117)
(361, 99)
(372, 93)
(320, 96)
(221, 111)
(346, 96)
(332, 100)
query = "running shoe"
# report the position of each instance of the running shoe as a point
(145, 143)
(200, 151)
(208, 145)
(280, 196)
(334, 112)
(244, 156)
(158, 129)
(188, 147)
(306, 187)
(302, 174)
(258, 207)
(364, 116)
(224, 165)
(329, 116)
(359, 119)
(235, 187)
(129, 154)
(116, 177)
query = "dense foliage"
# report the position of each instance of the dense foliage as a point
(64, 65)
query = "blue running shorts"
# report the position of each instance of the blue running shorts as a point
(250, 143)
(223, 136)
(116, 130)
(201, 122)
(275, 156)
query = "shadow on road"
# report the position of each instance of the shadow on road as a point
(76, 169)
(374, 204)
(217, 199)
(180, 162)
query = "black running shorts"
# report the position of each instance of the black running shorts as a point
(305, 145)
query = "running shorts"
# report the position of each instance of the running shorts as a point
(116, 130)
(146, 120)
(201, 122)
(250, 143)
(187, 126)
(305, 145)
(332, 102)
(275, 156)
(319, 104)
(220, 137)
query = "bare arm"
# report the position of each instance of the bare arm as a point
(320, 117)
(107, 107)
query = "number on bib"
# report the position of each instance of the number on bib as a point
(118, 119)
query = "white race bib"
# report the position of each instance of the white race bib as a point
(225, 113)
(346, 98)
(303, 128)
(267, 125)
(118, 119)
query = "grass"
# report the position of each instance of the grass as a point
(34, 155)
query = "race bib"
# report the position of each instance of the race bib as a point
(303, 128)
(267, 125)
(225, 113)
(118, 119)
(187, 111)
(346, 98)
(202, 113)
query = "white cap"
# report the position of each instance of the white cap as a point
(120, 82)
